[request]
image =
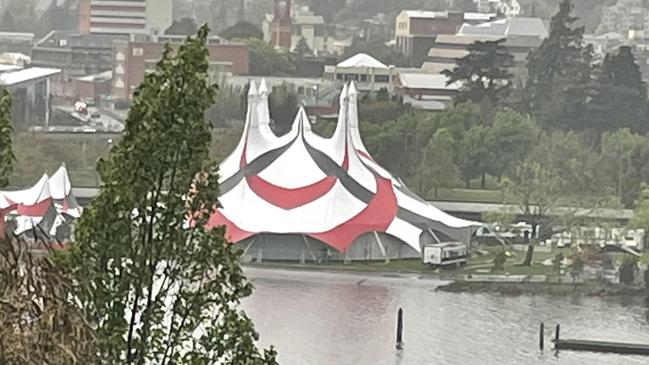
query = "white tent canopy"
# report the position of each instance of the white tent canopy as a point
(328, 189)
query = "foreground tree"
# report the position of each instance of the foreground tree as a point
(483, 73)
(158, 286)
(6, 152)
(38, 324)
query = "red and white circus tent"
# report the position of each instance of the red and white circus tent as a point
(328, 189)
(48, 204)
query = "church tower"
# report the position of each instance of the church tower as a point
(281, 25)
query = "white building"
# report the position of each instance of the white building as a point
(125, 16)
(367, 71)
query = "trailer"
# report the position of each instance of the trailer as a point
(445, 254)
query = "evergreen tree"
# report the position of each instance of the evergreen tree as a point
(619, 88)
(483, 73)
(242, 30)
(6, 151)
(302, 49)
(559, 74)
(184, 26)
(158, 286)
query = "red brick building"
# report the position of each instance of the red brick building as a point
(131, 60)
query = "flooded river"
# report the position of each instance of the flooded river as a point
(330, 318)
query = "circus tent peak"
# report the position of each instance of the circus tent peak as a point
(329, 189)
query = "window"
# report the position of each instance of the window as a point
(403, 25)
(363, 78)
(350, 77)
(339, 77)
(138, 52)
(381, 78)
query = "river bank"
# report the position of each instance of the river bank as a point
(456, 280)
(590, 288)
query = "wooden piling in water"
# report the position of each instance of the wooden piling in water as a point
(400, 329)
(541, 339)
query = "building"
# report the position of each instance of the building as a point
(416, 30)
(132, 60)
(624, 15)
(277, 31)
(125, 16)
(30, 94)
(425, 91)
(302, 24)
(312, 28)
(369, 73)
(76, 54)
(304, 197)
(16, 42)
(92, 88)
(521, 35)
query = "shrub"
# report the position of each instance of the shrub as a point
(627, 270)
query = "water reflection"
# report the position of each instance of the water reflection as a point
(324, 318)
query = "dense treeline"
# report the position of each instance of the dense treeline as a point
(573, 128)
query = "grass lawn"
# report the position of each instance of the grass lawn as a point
(469, 195)
(478, 264)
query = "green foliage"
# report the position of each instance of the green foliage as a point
(159, 290)
(283, 105)
(266, 61)
(640, 218)
(38, 325)
(499, 261)
(646, 279)
(557, 262)
(509, 140)
(6, 148)
(242, 30)
(628, 269)
(302, 49)
(483, 73)
(472, 153)
(437, 168)
(535, 188)
(184, 26)
(559, 74)
(619, 87)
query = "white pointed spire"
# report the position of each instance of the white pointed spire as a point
(263, 88)
(253, 89)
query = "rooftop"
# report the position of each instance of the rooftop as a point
(362, 60)
(72, 39)
(425, 81)
(425, 14)
(102, 76)
(308, 19)
(447, 53)
(16, 77)
(522, 26)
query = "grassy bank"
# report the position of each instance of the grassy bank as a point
(591, 288)
(39, 153)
